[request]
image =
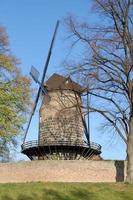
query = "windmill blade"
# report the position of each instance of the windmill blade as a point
(88, 119)
(34, 74)
(43, 77)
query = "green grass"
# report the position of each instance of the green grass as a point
(66, 191)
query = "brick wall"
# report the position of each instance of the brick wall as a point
(63, 171)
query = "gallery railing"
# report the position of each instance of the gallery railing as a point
(36, 143)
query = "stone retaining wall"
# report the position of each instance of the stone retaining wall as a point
(63, 171)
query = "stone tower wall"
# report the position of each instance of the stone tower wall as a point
(60, 119)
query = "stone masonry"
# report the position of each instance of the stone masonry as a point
(63, 171)
(60, 119)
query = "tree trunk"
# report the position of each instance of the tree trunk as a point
(130, 153)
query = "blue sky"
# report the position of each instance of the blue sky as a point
(30, 25)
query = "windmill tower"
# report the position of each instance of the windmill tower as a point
(61, 127)
(61, 121)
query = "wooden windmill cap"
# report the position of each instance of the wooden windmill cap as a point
(59, 82)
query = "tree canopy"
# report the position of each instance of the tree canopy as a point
(15, 94)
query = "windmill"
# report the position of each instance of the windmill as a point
(61, 123)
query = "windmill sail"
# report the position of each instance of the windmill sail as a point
(42, 80)
(88, 119)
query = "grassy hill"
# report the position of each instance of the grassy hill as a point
(66, 191)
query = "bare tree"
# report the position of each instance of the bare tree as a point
(107, 66)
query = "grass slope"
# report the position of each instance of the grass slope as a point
(66, 191)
